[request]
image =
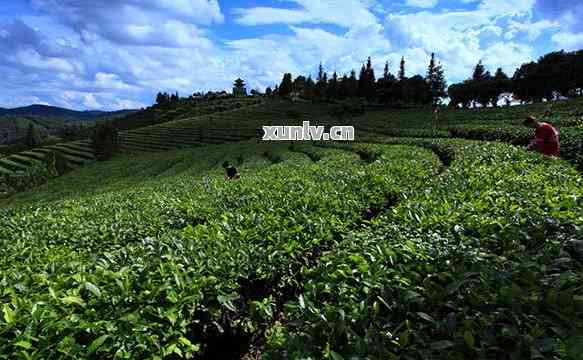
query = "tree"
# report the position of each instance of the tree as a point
(461, 94)
(479, 72)
(286, 86)
(366, 82)
(416, 90)
(57, 163)
(480, 84)
(385, 86)
(321, 82)
(163, 100)
(321, 73)
(361, 81)
(105, 141)
(401, 75)
(332, 89)
(299, 84)
(310, 88)
(435, 80)
(33, 138)
(499, 85)
(268, 91)
(352, 85)
(343, 88)
(525, 86)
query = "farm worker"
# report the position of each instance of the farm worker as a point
(231, 172)
(546, 138)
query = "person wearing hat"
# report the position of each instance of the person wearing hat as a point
(546, 138)
(231, 172)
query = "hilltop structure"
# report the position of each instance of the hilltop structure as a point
(239, 88)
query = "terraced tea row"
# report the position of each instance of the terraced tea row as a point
(217, 128)
(77, 153)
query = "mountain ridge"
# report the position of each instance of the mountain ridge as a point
(58, 112)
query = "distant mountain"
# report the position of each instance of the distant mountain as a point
(56, 112)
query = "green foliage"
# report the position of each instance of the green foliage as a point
(33, 138)
(286, 87)
(406, 248)
(448, 274)
(136, 251)
(57, 164)
(105, 142)
(35, 174)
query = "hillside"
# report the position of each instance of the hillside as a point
(409, 243)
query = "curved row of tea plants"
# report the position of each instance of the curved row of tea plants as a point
(491, 124)
(182, 267)
(27, 169)
(486, 262)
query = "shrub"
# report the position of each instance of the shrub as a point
(105, 141)
(36, 174)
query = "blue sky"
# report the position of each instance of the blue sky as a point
(113, 54)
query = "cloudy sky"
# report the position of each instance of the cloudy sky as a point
(113, 54)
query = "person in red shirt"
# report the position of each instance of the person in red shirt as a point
(546, 138)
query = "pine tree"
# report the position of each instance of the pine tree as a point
(321, 73)
(332, 90)
(401, 75)
(370, 79)
(343, 90)
(436, 81)
(352, 85)
(362, 82)
(386, 73)
(310, 88)
(322, 82)
(479, 72)
(481, 85)
(440, 85)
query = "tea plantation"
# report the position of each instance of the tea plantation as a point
(408, 244)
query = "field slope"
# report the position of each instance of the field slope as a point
(390, 247)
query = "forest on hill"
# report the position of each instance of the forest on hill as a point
(553, 76)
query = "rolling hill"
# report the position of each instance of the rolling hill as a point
(61, 113)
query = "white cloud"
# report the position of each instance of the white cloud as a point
(532, 30)
(422, 3)
(462, 38)
(169, 23)
(569, 41)
(301, 52)
(347, 13)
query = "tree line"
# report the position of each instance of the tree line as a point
(554, 75)
(388, 88)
